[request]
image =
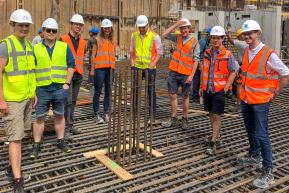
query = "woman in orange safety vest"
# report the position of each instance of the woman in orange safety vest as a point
(103, 55)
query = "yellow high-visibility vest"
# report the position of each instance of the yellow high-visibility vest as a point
(145, 51)
(47, 70)
(19, 74)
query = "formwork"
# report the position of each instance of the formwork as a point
(184, 166)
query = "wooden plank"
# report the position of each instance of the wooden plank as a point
(102, 151)
(205, 112)
(119, 171)
(154, 152)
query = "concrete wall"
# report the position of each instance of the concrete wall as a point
(269, 20)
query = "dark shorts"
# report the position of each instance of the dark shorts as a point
(214, 103)
(44, 98)
(175, 80)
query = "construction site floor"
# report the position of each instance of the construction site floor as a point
(184, 166)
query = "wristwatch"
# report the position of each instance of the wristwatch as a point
(67, 83)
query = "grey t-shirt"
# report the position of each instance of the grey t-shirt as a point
(4, 48)
(36, 40)
(196, 54)
(241, 46)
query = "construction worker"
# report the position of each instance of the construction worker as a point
(204, 45)
(145, 51)
(183, 66)
(77, 46)
(38, 38)
(261, 69)
(54, 70)
(93, 33)
(217, 76)
(103, 57)
(241, 45)
(17, 92)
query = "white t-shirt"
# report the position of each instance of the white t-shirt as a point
(241, 46)
(274, 63)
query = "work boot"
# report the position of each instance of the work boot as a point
(97, 118)
(62, 146)
(211, 149)
(106, 117)
(250, 160)
(9, 176)
(18, 185)
(149, 121)
(235, 108)
(74, 130)
(218, 140)
(68, 136)
(185, 123)
(171, 122)
(265, 179)
(36, 150)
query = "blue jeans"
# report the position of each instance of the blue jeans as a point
(101, 75)
(150, 73)
(256, 124)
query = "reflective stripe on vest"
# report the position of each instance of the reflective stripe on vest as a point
(182, 60)
(105, 56)
(51, 70)
(145, 51)
(221, 73)
(19, 73)
(78, 54)
(257, 85)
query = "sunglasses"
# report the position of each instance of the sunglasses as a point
(51, 30)
(249, 33)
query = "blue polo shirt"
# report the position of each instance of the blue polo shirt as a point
(70, 64)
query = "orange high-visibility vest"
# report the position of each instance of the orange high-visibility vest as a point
(182, 60)
(221, 72)
(257, 84)
(105, 56)
(79, 54)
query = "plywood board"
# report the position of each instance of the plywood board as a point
(102, 151)
(116, 169)
(141, 146)
(205, 112)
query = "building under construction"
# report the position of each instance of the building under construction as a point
(127, 154)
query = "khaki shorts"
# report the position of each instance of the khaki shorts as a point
(18, 119)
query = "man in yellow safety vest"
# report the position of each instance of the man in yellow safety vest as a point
(17, 91)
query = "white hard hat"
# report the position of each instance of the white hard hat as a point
(20, 16)
(106, 23)
(142, 21)
(50, 23)
(77, 19)
(217, 31)
(187, 24)
(251, 25)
